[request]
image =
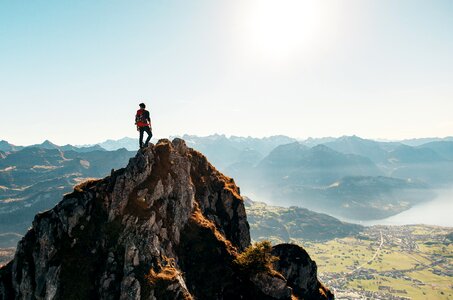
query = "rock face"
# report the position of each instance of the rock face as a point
(168, 226)
(300, 271)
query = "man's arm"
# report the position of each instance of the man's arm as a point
(136, 122)
(149, 120)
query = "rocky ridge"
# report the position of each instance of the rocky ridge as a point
(168, 226)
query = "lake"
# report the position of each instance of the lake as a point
(436, 212)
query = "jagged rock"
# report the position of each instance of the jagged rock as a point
(272, 286)
(300, 271)
(112, 238)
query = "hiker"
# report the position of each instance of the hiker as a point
(143, 122)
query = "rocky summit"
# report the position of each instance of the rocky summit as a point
(168, 226)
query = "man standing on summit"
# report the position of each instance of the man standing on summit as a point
(143, 122)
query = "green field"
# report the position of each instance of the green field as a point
(414, 262)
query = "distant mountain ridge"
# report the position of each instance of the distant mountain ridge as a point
(326, 180)
(358, 146)
(317, 166)
(225, 151)
(280, 168)
(442, 148)
(34, 178)
(131, 143)
(7, 147)
(408, 154)
(421, 141)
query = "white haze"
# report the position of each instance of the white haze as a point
(437, 212)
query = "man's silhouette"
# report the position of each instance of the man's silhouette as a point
(143, 122)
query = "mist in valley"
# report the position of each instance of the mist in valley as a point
(435, 212)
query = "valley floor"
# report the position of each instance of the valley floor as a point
(387, 262)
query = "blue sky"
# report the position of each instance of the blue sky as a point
(75, 71)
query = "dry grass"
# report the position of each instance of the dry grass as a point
(166, 275)
(167, 272)
(228, 182)
(89, 182)
(208, 174)
(324, 292)
(200, 219)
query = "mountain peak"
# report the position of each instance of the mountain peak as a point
(47, 144)
(352, 139)
(5, 146)
(168, 212)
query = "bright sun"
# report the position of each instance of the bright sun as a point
(279, 30)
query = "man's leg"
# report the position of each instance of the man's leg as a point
(150, 135)
(140, 141)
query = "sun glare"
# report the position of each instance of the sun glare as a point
(280, 30)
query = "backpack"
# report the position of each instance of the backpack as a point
(140, 117)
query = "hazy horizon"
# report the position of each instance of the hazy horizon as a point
(222, 134)
(74, 72)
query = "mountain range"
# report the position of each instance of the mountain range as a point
(34, 178)
(234, 152)
(7, 147)
(345, 183)
(347, 176)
